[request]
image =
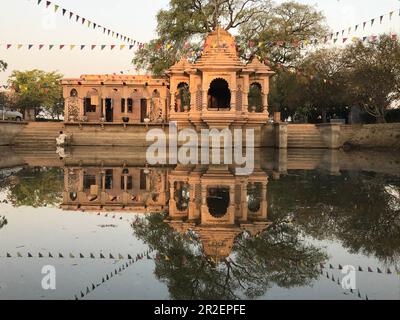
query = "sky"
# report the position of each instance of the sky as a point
(24, 22)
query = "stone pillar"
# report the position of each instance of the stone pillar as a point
(244, 205)
(205, 100)
(172, 106)
(264, 203)
(204, 207)
(246, 88)
(265, 103)
(233, 99)
(281, 135)
(281, 161)
(331, 135)
(103, 108)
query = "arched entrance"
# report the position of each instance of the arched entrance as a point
(219, 95)
(255, 98)
(218, 200)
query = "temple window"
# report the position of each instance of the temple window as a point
(182, 196)
(109, 178)
(219, 95)
(254, 197)
(123, 105)
(88, 181)
(89, 107)
(130, 105)
(218, 200)
(73, 93)
(182, 102)
(255, 98)
(129, 182)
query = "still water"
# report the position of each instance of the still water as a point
(114, 228)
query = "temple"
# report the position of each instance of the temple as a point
(218, 90)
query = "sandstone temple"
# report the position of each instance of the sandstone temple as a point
(217, 90)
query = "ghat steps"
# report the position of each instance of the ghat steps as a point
(39, 134)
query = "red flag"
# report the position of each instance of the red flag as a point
(48, 3)
(9, 46)
(93, 46)
(344, 40)
(62, 46)
(41, 46)
(112, 46)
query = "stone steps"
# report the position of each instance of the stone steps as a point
(39, 134)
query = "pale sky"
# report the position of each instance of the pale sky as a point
(24, 22)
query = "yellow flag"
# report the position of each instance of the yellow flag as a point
(20, 46)
(72, 46)
(122, 46)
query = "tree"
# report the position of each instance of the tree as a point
(278, 256)
(285, 26)
(38, 90)
(184, 25)
(3, 65)
(373, 79)
(36, 187)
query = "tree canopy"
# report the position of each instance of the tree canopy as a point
(373, 75)
(38, 90)
(183, 26)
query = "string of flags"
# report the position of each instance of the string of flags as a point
(72, 16)
(80, 256)
(363, 25)
(339, 283)
(109, 276)
(19, 46)
(360, 269)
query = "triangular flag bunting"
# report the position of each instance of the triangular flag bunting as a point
(48, 3)
(93, 46)
(41, 46)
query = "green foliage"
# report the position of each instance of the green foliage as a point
(36, 187)
(38, 90)
(184, 25)
(277, 256)
(286, 24)
(373, 75)
(358, 209)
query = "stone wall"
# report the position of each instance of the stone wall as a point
(373, 136)
(9, 130)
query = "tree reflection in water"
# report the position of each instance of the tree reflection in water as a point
(361, 210)
(36, 187)
(277, 256)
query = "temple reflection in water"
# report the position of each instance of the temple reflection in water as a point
(208, 200)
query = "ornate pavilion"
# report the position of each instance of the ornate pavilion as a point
(218, 90)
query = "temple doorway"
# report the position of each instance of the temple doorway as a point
(143, 110)
(109, 111)
(218, 200)
(219, 95)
